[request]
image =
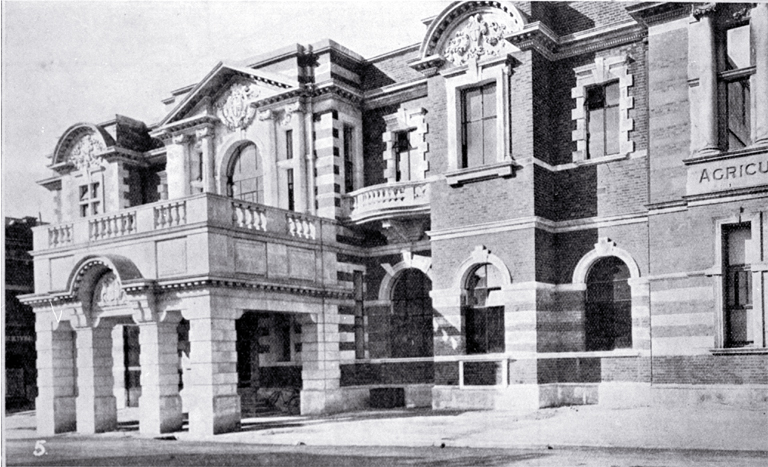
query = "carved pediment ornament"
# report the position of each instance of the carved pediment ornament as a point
(236, 111)
(108, 291)
(83, 153)
(477, 39)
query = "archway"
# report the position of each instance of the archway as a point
(411, 324)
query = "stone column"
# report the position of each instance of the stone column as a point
(759, 32)
(214, 405)
(320, 370)
(205, 135)
(177, 167)
(118, 366)
(160, 403)
(96, 405)
(702, 91)
(448, 322)
(55, 403)
(300, 163)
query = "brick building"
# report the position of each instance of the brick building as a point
(20, 373)
(540, 204)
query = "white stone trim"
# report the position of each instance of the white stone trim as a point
(756, 320)
(477, 74)
(602, 71)
(481, 255)
(603, 249)
(422, 263)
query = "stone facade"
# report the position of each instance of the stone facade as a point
(541, 204)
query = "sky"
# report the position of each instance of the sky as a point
(65, 62)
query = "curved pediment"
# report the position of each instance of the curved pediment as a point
(80, 145)
(472, 30)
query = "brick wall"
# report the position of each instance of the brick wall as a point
(387, 373)
(708, 369)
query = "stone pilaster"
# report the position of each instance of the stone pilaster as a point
(176, 166)
(320, 363)
(268, 157)
(205, 136)
(641, 313)
(212, 400)
(329, 179)
(702, 91)
(759, 33)
(56, 389)
(520, 317)
(449, 338)
(96, 406)
(160, 403)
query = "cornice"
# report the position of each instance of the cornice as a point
(653, 13)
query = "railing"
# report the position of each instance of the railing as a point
(249, 216)
(390, 200)
(300, 226)
(111, 226)
(59, 235)
(192, 212)
(170, 215)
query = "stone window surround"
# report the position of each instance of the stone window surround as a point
(404, 120)
(639, 287)
(497, 70)
(602, 71)
(410, 260)
(755, 320)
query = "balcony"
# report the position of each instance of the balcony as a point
(194, 211)
(389, 201)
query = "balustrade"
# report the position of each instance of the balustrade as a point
(170, 215)
(59, 235)
(112, 226)
(248, 216)
(383, 200)
(301, 227)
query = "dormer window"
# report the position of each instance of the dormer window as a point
(90, 199)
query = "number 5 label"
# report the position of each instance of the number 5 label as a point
(39, 448)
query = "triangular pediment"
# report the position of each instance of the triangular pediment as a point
(212, 93)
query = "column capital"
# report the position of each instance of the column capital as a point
(204, 132)
(266, 114)
(179, 138)
(703, 9)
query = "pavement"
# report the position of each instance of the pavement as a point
(685, 428)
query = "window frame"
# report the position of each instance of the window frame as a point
(487, 154)
(487, 341)
(94, 199)
(755, 318)
(604, 111)
(727, 76)
(260, 178)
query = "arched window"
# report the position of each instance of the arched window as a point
(608, 323)
(411, 325)
(484, 311)
(244, 177)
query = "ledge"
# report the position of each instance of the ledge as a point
(476, 174)
(748, 151)
(740, 351)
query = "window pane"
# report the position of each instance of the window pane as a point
(738, 114)
(611, 130)
(474, 143)
(737, 239)
(473, 104)
(595, 98)
(595, 136)
(738, 48)
(612, 94)
(489, 140)
(83, 192)
(96, 208)
(489, 100)
(83, 210)
(289, 144)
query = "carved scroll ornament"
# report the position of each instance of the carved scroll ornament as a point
(83, 153)
(108, 291)
(236, 111)
(478, 38)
